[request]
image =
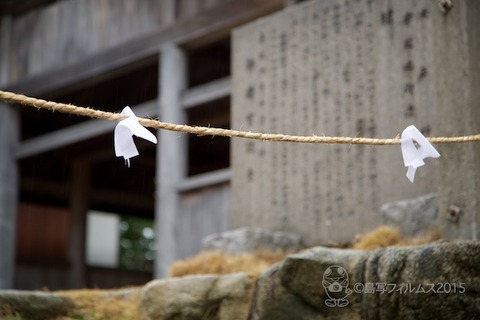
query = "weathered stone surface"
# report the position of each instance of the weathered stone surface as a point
(34, 305)
(274, 301)
(341, 68)
(436, 281)
(354, 68)
(199, 297)
(458, 113)
(413, 216)
(251, 239)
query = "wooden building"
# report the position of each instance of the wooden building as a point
(164, 58)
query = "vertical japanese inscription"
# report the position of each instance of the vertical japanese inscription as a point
(323, 68)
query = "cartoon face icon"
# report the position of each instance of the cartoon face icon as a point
(335, 282)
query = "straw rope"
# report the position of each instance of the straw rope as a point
(15, 98)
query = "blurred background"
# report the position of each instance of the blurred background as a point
(83, 218)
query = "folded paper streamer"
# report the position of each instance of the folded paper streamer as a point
(124, 132)
(415, 148)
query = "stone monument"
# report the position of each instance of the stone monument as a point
(348, 68)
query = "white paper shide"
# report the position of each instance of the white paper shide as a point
(124, 132)
(415, 148)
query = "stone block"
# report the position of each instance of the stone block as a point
(354, 68)
(413, 216)
(251, 239)
(199, 297)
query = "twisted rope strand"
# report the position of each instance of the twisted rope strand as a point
(15, 98)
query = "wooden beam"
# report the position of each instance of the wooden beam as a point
(192, 32)
(205, 180)
(205, 93)
(9, 131)
(77, 133)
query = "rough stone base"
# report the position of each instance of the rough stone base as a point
(440, 280)
(436, 281)
(33, 305)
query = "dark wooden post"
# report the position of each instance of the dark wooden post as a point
(79, 205)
